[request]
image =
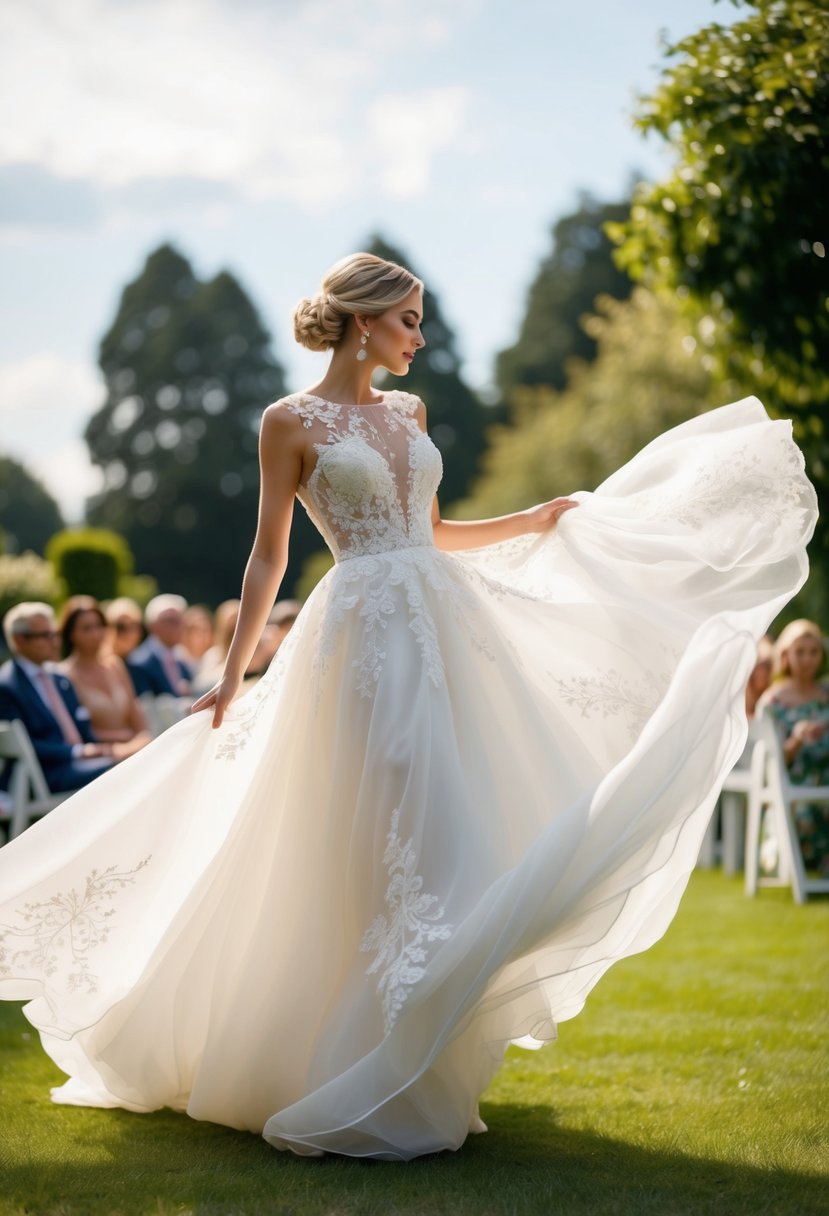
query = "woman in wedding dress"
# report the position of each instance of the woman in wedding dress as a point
(476, 774)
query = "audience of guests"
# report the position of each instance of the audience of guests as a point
(799, 702)
(125, 625)
(83, 715)
(281, 618)
(46, 703)
(100, 678)
(155, 666)
(197, 635)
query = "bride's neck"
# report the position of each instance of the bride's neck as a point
(347, 380)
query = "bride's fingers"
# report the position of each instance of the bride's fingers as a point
(560, 508)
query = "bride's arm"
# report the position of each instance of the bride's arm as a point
(453, 534)
(472, 533)
(280, 463)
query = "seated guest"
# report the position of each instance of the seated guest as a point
(212, 665)
(282, 617)
(210, 668)
(45, 702)
(154, 666)
(799, 702)
(280, 620)
(100, 678)
(760, 677)
(197, 635)
(125, 624)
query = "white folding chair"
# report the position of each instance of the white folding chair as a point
(778, 796)
(724, 836)
(29, 797)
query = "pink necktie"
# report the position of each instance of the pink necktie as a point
(171, 669)
(56, 703)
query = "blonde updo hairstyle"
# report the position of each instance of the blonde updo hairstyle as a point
(792, 632)
(360, 284)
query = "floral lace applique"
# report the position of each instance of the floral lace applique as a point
(609, 694)
(741, 483)
(313, 409)
(63, 931)
(368, 585)
(375, 473)
(399, 937)
(238, 730)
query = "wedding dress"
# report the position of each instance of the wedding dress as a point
(467, 785)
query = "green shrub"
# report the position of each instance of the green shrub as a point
(90, 561)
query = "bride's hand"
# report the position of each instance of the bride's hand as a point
(547, 514)
(220, 697)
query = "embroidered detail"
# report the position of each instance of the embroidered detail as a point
(310, 409)
(375, 475)
(66, 928)
(740, 482)
(234, 739)
(611, 695)
(368, 587)
(399, 935)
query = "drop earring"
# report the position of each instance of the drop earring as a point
(361, 353)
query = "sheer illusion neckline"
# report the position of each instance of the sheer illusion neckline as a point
(352, 405)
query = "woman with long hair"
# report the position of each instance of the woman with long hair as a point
(100, 678)
(798, 700)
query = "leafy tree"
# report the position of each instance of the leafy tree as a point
(579, 268)
(738, 229)
(188, 371)
(28, 513)
(90, 561)
(649, 374)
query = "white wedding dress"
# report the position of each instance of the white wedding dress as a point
(468, 784)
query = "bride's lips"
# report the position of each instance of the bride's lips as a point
(407, 356)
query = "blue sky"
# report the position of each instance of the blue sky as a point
(271, 137)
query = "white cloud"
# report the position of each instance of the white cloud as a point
(273, 100)
(70, 477)
(45, 402)
(408, 129)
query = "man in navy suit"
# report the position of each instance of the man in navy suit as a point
(154, 665)
(46, 703)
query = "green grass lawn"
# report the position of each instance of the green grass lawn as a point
(693, 1081)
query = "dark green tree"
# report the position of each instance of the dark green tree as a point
(188, 370)
(738, 230)
(457, 418)
(579, 268)
(28, 513)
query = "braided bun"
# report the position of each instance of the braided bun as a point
(318, 323)
(359, 284)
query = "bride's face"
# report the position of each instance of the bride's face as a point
(395, 335)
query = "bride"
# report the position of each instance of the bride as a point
(476, 774)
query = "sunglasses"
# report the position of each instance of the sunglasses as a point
(126, 626)
(42, 633)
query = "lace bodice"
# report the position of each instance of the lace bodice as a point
(375, 475)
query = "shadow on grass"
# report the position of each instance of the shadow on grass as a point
(166, 1163)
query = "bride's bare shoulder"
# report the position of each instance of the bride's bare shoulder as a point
(284, 414)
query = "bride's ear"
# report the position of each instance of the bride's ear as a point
(362, 322)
